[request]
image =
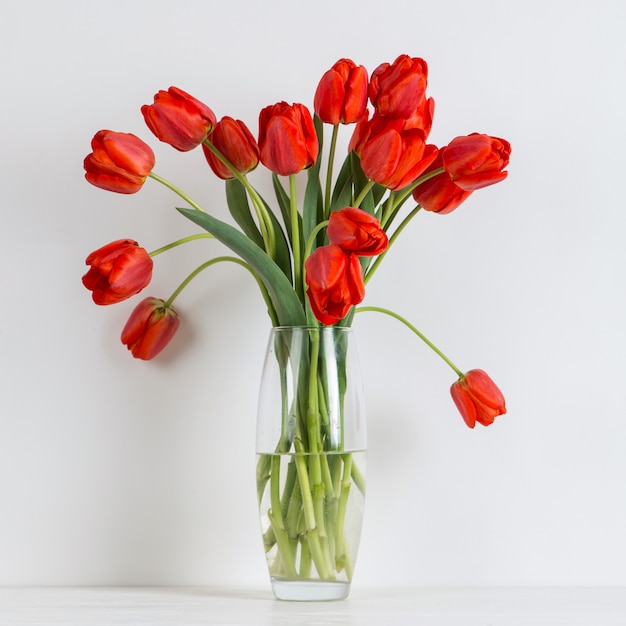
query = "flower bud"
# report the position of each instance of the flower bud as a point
(118, 271)
(477, 398)
(287, 138)
(119, 162)
(335, 283)
(355, 230)
(150, 328)
(341, 96)
(178, 119)
(235, 141)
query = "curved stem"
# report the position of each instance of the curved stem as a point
(311, 240)
(177, 191)
(392, 239)
(408, 324)
(364, 192)
(232, 259)
(329, 171)
(179, 242)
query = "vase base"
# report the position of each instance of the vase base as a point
(309, 590)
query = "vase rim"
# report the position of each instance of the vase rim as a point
(310, 328)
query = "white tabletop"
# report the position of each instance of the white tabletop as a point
(165, 606)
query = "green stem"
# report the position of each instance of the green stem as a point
(392, 239)
(407, 191)
(219, 259)
(177, 191)
(179, 242)
(311, 240)
(364, 192)
(329, 171)
(408, 324)
(295, 236)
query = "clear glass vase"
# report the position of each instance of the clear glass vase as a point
(311, 441)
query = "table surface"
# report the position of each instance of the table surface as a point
(165, 606)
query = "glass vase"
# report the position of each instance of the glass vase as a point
(311, 441)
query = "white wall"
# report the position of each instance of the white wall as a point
(115, 471)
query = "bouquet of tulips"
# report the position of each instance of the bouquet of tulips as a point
(312, 256)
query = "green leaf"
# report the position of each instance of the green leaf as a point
(342, 191)
(239, 208)
(289, 310)
(283, 254)
(283, 202)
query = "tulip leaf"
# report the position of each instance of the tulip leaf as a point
(342, 193)
(239, 207)
(283, 202)
(283, 255)
(237, 200)
(288, 307)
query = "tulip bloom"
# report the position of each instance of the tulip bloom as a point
(398, 90)
(335, 283)
(439, 194)
(355, 230)
(287, 138)
(475, 161)
(149, 328)
(341, 96)
(392, 155)
(179, 119)
(118, 271)
(119, 162)
(477, 398)
(235, 141)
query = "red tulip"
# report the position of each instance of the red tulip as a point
(439, 194)
(118, 271)
(355, 230)
(341, 96)
(179, 119)
(423, 117)
(149, 328)
(287, 138)
(478, 398)
(119, 162)
(475, 161)
(235, 141)
(392, 155)
(335, 283)
(398, 90)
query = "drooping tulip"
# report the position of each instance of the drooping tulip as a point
(149, 328)
(335, 283)
(117, 271)
(398, 89)
(439, 194)
(119, 162)
(477, 160)
(477, 398)
(355, 230)
(341, 95)
(179, 119)
(234, 141)
(287, 138)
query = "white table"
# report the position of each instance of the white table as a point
(165, 606)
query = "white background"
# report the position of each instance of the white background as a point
(116, 471)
